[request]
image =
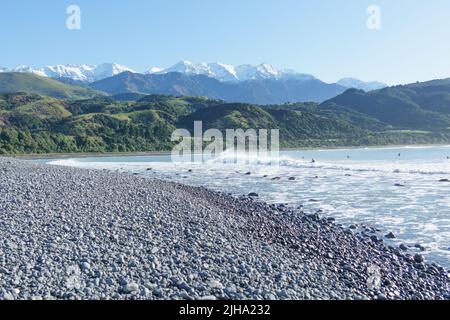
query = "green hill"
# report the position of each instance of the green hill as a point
(33, 123)
(420, 106)
(31, 83)
(300, 125)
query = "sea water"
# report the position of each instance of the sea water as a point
(397, 189)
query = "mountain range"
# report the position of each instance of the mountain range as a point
(229, 73)
(261, 84)
(87, 73)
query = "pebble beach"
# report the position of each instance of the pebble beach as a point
(69, 233)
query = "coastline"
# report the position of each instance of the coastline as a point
(168, 152)
(87, 155)
(106, 235)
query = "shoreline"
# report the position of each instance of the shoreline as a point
(166, 153)
(107, 235)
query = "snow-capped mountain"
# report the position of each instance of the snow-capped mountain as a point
(268, 71)
(361, 85)
(28, 69)
(219, 71)
(229, 73)
(89, 73)
(107, 70)
(223, 72)
(154, 70)
(80, 72)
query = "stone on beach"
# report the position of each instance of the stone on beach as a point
(130, 288)
(390, 235)
(71, 233)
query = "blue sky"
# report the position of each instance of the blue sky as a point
(328, 38)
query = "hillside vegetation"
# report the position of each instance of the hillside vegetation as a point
(423, 106)
(35, 123)
(31, 83)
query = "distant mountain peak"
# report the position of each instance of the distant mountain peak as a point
(107, 70)
(154, 70)
(217, 70)
(361, 85)
(268, 69)
(89, 73)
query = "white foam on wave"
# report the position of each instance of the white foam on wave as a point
(240, 161)
(65, 162)
(412, 167)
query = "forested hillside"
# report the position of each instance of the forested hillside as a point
(33, 123)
